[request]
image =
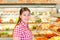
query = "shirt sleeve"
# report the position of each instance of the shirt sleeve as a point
(17, 32)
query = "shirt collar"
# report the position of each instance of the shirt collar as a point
(24, 24)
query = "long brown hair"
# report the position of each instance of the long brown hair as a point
(20, 13)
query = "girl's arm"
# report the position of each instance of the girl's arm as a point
(16, 33)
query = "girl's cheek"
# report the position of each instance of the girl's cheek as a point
(29, 17)
(23, 18)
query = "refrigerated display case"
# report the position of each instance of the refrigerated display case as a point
(40, 22)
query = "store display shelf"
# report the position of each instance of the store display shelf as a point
(7, 30)
(7, 23)
(39, 23)
(56, 15)
(29, 23)
(26, 3)
(6, 38)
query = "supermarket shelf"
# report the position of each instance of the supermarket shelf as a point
(56, 15)
(8, 38)
(27, 3)
(7, 23)
(29, 23)
(32, 5)
(39, 23)
(7, 30)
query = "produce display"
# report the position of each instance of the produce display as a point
(41, 38)
(48, 33)
(46, 30)
(42, 25)
(6, 34)
(55, 38)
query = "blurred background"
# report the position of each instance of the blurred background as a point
(44, 22)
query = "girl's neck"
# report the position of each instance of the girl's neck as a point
(24, 23)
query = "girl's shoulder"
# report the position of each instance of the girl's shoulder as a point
(17, 26)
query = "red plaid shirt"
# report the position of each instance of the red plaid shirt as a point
(22, 32)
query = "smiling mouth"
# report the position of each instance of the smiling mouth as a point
(26, 19)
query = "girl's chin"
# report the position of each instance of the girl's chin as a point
(25, 21)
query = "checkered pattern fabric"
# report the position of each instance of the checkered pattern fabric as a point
(22, 32)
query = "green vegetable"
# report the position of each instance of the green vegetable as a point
(32, 13)
(5, 33)
(7, 29)
(40, 13)
(38, 21)
(34, 27)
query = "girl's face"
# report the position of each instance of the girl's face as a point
(25, 16)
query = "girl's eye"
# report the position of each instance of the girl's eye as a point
(24, 14)
(28, 14)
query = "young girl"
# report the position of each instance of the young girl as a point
(21, 31)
